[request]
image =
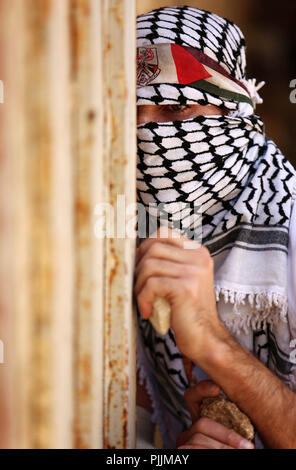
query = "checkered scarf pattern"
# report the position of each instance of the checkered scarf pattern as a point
(214, 36)
(243, 188)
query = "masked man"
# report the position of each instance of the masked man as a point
(233, 300)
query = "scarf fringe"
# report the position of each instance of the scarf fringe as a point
(266, 307)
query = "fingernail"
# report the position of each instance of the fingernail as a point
(214, 388)
(244, 444)
(191, 245)
(146, 310)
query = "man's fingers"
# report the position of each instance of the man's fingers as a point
(165, 235)
(194, 395)
(204, 388)
(161, 286)
(218, 432)
(187, 446)
(156, 267)
(207, 442)
(160, 250)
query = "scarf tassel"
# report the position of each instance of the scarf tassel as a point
(266, 307)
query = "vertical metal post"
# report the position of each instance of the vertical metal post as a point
(119, 159)
(68, 145)
(39, 235)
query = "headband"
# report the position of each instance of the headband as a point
(183, 65)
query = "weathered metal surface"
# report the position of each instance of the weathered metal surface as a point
(61, 222)
(38, 181)
(36, 144)
(86, 75)
(68, 144)
(6, 278)
(119, 169)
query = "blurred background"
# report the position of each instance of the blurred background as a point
(269, 29)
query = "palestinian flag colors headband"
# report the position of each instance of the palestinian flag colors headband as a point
(175, 64)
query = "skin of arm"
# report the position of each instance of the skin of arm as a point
(206, 433)
(269, 403)
(186, 278)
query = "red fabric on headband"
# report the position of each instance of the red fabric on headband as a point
(188, 68)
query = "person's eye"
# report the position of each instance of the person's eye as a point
(177, 108)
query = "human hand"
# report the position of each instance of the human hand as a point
(165, 268)
(204, 432)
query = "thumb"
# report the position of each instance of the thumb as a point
(194, 395)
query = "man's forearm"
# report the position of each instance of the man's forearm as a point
(269, 403)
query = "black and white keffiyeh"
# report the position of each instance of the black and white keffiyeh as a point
(220, 178)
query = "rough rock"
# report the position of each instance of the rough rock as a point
(224, 411)
(161, 315)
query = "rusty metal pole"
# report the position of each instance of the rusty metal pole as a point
(119, 48)
(68, 145)
(103, 73)
(38, 234)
